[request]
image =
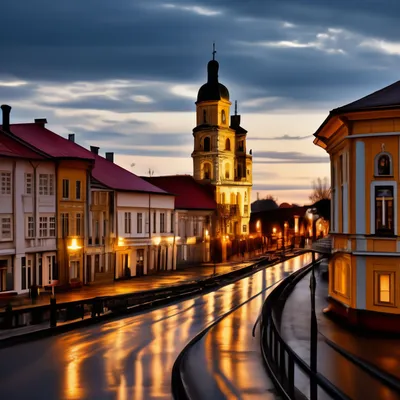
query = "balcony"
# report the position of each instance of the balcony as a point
(228, 210)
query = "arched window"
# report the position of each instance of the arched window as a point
(204, 116)
(227, 168)
(223, 117)
(207, 144)
(227, 144)
(223, 198)
(245, 197)
(207, 171)
(383, 165)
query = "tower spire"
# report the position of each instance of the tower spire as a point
(214, 51)
(235, 107)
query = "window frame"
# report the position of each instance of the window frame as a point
(78, 190)
(65, 189)
(139, 222)
(43, 227)
(162, 222)
(30, 227)
(376, 164)
(28, 184)
(10, 229)
(128, 222)
(392, 288)
(6, 179)
(46, 184)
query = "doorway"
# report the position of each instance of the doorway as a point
(139, 262)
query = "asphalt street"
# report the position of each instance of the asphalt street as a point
(132, 358)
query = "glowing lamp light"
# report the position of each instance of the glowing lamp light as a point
(74, 245)
(120, 241)
(273, 230)
(206, 232)
(157, 240)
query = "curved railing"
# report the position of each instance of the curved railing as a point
(280, 360)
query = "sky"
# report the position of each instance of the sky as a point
(123, 75)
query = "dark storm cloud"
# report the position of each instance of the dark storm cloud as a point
(287, 157)
(144, 40)
(135, 139)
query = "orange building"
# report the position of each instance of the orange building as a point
(363, 141)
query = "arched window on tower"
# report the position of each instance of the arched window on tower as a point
(227, 168)
(223, 117)
(204, 116)
(227, 144)
(207, 171)
(207, 144)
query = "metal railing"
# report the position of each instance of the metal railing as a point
(281, 361)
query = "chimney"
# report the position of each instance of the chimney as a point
(6, 117)
(71, 137)
(110, 156)
(94, 149)
(41, 121)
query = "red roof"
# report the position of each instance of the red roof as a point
(118, 178)
(49, 142)
(190, 195)
(10, 147)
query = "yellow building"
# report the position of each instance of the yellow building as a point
(363, 141)
(220, 156)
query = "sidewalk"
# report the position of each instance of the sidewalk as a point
(138, 284)
(381, 352)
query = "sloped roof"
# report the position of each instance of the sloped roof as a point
(388, 97)
(49, 142)
(10, 147)
(190, 194)
(118, 178)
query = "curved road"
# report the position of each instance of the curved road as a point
(132, 358)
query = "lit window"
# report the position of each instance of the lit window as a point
(244, 228)
(223, 116)
(383, 165)
(341, 277)
(384, 288)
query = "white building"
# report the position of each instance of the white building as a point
(27, 216)
(139, 228)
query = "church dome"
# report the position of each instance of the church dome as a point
(212, 90)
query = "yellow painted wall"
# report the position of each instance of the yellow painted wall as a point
(382, 264)
(73, 170)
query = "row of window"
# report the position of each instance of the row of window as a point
(206, 145)
(383, 195)
(240, 172)
(46, 185)
(139, 223)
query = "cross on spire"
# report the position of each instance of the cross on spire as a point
(214, 51)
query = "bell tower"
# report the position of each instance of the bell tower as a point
(219, 155)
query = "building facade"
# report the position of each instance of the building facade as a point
(363, 141)
(27, 216)
(220, 157)
(195, 211)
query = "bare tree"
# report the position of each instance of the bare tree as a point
(321, 190)
(270, 197)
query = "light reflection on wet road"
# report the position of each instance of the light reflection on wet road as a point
(130, 358)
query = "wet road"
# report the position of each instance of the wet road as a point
(132, 358)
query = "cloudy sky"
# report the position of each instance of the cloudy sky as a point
(124, 75)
